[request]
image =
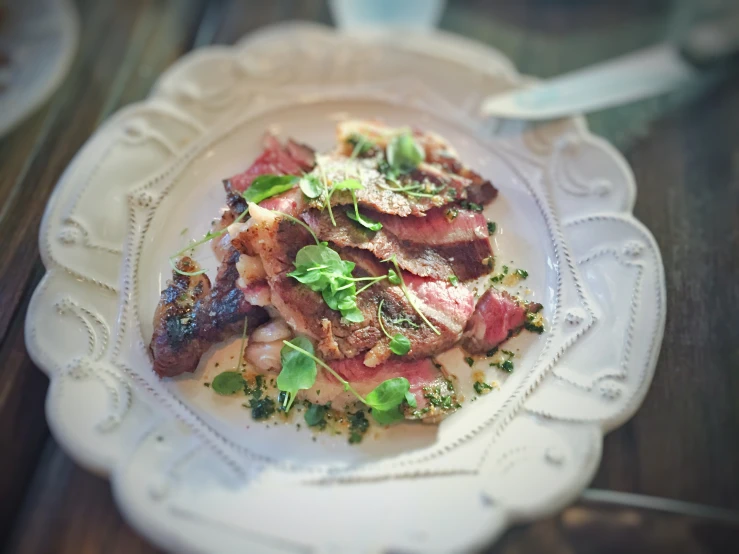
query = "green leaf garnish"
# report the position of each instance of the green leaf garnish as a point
(454, 280)
(322, 270)
(363, 220)
(386, 417)
(393, 277)
(208, 236)
(228, 382)
(410, 398)
(404, 153)
(315, 415)
(298, 370)
(311, 186)
(399, 343)
(362, 144)
(266, 186)
(347, 184)
(385, 398)
(388, 394)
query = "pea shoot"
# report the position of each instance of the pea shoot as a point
(322, 270)
(399, 343)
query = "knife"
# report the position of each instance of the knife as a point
(648, 72)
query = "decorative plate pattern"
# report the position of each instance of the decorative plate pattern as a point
(190, 476)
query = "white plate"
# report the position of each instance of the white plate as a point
(40, 38)
(191, 471)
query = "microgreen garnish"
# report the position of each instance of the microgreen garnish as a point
(385, 399)
(267, 186)
(208, 236)
(311, 186)
(408, 295)
(298, 370)
(301, 223)
(404, 320)
(362, 144)
(322, 270)
(399, 343)
(404, 154)
(363, 220)
(454, 280)
(261, 188)
(315, 416)
(346, 184)
(228, 382)
(414, 189)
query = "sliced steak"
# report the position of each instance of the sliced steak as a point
(433, 246)
(292, 159)
(277, 240)
(192, 315)
(497, 316)
(276, 159)
(440, 188)
(425, 377)
(441, 159)
(175, 344)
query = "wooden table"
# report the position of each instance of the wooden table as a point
(684, 150)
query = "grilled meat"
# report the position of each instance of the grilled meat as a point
(497, 316)
(437, 245)
(191, 316)
(277, 240)
(430, 226)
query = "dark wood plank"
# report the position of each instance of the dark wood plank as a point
(682, 442)
(23, 430)
(70, 511)
(107, 73)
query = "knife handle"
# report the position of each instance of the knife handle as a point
(713, 41)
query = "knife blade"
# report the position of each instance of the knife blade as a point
(648, 72)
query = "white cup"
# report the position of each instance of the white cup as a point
(386, 14)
